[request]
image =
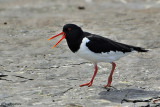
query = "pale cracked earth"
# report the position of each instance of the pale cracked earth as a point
(34, 74)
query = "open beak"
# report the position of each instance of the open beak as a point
(62, 33)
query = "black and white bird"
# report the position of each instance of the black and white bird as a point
(95, 48)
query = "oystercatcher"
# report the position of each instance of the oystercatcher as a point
(95, 48)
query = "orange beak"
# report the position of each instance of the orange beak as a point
(62, 33)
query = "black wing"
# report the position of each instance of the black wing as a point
(100, 44)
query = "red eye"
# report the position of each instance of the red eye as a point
(69, 28)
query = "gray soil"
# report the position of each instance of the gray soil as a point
(34, 74)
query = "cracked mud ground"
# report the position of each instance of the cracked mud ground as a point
(33, 74)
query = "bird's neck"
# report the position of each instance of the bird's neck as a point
(74, 42)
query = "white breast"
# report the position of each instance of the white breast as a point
(87, 54)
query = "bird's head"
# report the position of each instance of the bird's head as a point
(70, 31)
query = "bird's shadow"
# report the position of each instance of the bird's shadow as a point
(129, 95)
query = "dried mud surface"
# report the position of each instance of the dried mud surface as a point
(33, 74)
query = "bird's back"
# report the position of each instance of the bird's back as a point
(99, 44)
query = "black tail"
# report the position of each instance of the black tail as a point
(139, 49)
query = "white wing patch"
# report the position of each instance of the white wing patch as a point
(87, 54)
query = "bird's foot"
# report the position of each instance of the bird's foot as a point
(89, 84)
(106, 86)
(110, 88)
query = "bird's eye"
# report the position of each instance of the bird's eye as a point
(69, 29)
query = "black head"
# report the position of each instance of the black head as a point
(72, 31)
(73, 34)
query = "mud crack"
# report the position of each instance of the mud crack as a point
(153, 100)
(62, 92)
(22, 77)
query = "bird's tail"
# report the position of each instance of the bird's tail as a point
(139, 49)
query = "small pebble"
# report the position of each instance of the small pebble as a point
(81, 7)
(5, 23)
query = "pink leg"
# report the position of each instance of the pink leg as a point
(110, 76)
(91, 81)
